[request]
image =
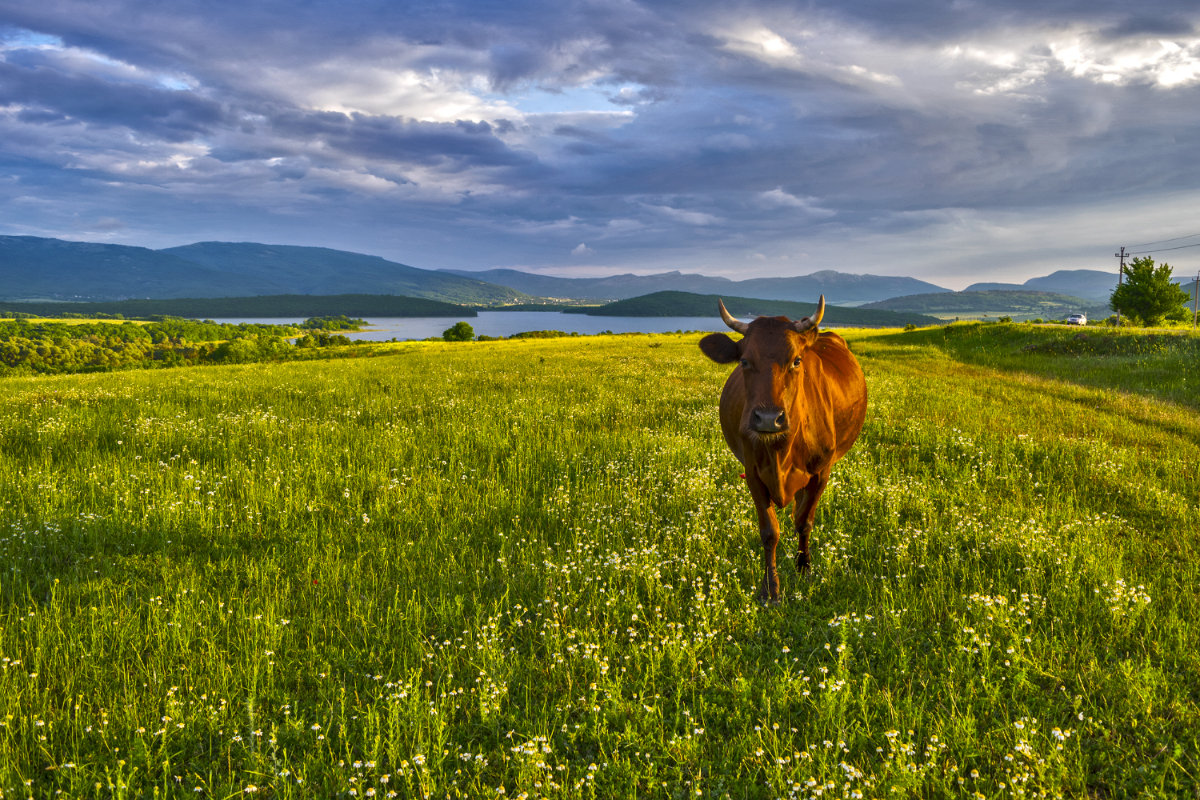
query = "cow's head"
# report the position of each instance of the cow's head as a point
(771, 360)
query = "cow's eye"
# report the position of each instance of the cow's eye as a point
(743, 363)
(796, 362)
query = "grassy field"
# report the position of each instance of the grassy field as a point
(527, 568)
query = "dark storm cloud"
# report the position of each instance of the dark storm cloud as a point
(406, 141)
(1138, 25)
(46, 91)
(951, 19)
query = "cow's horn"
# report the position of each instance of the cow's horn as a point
(736, 324)
(814, 320)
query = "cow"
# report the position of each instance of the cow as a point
(792, 407)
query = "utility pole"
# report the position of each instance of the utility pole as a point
(1120, 278)
(1195, 299)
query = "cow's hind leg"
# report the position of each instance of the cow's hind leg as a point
(803, 514)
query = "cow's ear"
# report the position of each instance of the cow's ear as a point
(810, 336)
(720, 348)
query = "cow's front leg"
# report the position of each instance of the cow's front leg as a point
(803, 514)
(768, 531)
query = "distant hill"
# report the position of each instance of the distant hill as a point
(838, 287)
(265, 306)
(33, 268)
(612, 287)
(1089, 284)
(996, 287)
(687, 304)
(53, 269)
(287, 269)
(972, 304)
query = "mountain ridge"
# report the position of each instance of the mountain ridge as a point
(35, 268)
(838, 287)
(325, 271)
(1089, 284)
(690, 304)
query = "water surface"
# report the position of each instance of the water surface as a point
(506, 323)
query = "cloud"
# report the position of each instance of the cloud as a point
(684, 216)
(701, 136)
(581, 250)
(1155, 61)
(778, 198)
(59, 91)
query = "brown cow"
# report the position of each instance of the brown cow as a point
(792, 407)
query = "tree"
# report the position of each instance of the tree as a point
(459, 332)
(1148, 294)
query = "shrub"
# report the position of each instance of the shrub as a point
(1149, 294)
(459, 332)
(540, 335)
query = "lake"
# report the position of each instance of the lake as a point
(506, 323)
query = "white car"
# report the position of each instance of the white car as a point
(1077, 319)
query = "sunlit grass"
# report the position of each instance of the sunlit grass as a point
(87, 320)
(527, 569)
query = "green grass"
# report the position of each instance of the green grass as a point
(528, 568)
(1159, 364)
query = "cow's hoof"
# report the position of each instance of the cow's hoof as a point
(767, 600)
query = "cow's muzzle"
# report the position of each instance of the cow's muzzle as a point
(768, 420)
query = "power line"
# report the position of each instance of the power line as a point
(1164, 241)
(1166, 249)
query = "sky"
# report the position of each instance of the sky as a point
(961, 141)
